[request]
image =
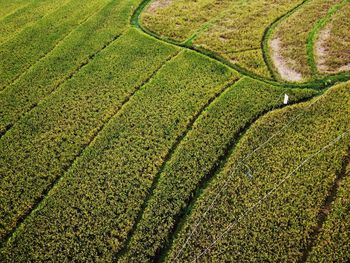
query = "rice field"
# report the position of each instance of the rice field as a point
(174, 131)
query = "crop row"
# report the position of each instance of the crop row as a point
(64, 61)
(88, 214)
(333, 243)
(8, 7)
(289, 44)
(43, 144)
(197, 157)
(26, 16)
(33, 43)
(264, 206)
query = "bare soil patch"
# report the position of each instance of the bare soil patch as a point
(285, 71)
(158, 4)
(322, 50)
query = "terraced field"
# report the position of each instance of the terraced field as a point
(174, 131)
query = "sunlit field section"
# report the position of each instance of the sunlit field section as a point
(179, 19)
(26, 16)
(33, 43)
(265, 203)
(197, 158)
(42, 145)
(290, 39)
(238, 34)
(333, 243)
(76, 51)
(179, 131)
(332, 47)
(120, 164)
(235, 33)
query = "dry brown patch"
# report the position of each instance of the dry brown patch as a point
(158, 4)
(283, 68)
(322, 53)
(322, 50)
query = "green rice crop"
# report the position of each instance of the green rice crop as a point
(265, 202)
(198, 155)
(64, 61)
(97, 201)
(155, 131)
(33, 43)
(43, 144)
(8, 7)
(333, 244)
(26, 16)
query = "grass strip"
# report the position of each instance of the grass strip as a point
(331, 41)
(276, 228)
(90, 219)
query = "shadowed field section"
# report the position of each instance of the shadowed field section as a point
(333, 244)
(264, 204)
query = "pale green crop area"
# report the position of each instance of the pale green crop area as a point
(174, 131)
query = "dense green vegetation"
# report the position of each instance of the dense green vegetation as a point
(8, 7)
(26, 16)
(158, 131)
(333, 243)
(27, 47)
(120, 165)
(42, 145)
(198, 155)
(269, 200)
(64, 61)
